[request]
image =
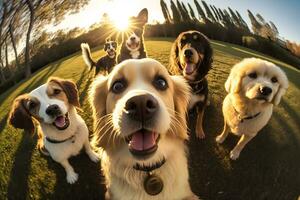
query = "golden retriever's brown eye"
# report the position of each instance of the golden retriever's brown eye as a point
(274, 80)
(118, 86)
(56, 91)
(160, 83)
(253, 75)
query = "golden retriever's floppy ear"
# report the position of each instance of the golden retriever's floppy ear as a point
(234, 81)
(181, 99)
(69, 88)
(97, 97)
(143, 16)
(19, 116)
(283, 85)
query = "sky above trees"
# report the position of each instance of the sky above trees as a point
(284, 14)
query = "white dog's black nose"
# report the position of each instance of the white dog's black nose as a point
(53, 110)
(265, 91)
(132, 38)
(141, 108)
(188, 53)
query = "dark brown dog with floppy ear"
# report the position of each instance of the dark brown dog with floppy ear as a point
(191, 56)
(62, 132)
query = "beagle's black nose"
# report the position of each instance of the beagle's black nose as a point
(53, 110)
(188, 53)
(142, 107)
(265, 91)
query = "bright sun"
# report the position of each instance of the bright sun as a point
(121, 23)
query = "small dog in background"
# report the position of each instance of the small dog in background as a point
(191, 56)
(133, 44)
(62, 132)
(253, 87)
(106, 62)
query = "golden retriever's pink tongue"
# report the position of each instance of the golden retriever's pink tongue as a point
(189, 68)
(142, 141)
(60, 121)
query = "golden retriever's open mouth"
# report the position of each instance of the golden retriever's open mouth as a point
(143, 142)
(62, 122)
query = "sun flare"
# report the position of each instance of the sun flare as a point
(121, 24)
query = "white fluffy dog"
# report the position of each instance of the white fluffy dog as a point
(253, 87)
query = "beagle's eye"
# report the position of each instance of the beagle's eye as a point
(56, 91)
(118, 86)
(31, 105)
(253, 75)
(160, 83)
(195, 37)
(274, 80)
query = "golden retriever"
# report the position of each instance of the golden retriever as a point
(253, 87)
(140, 123)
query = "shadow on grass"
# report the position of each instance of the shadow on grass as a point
(90, 184)
(3, 123)
(266, 169)
(18, 181)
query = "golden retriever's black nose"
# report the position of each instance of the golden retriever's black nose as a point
(188, 53)
(53, 110)
(265, 91)
(142, 107)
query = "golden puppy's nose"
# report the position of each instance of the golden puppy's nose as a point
(265, 91)
(142, 107)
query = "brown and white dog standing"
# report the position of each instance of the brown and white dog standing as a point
(140, 122)
(191, 56)
(133, 44)
(63, 132)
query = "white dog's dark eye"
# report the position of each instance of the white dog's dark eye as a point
(274, 80)
(56, 91)
(160, 83)
(118, 86)
(31, 105)
(253, 75)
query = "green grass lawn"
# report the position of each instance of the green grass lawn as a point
(268, 168)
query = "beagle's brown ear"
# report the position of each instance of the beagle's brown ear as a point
(174, 58)
(69, 88)
(19, 116)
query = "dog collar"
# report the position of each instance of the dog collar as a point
(53, 141)
(247, 118)
(149, 168)
(153, 184)
(196, 86)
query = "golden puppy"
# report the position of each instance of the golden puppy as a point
(253, 87)
(139, 114)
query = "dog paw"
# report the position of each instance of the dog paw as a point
(72, 177)
(200, 134)
(220, 139)
(234, 154)
(94, 157)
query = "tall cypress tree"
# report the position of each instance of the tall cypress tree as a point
(234, 18)
(214, 13)
(192, 13)
(186, 12)
(256, 26)
(201, 13)
(184, 17)
(165, 11)
(208, 11)
(175, 13)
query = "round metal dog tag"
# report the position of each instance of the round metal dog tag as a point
(153, 185)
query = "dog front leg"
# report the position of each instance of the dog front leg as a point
(199, 127)
(220, 138)
(235, 152)
(72, 177)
